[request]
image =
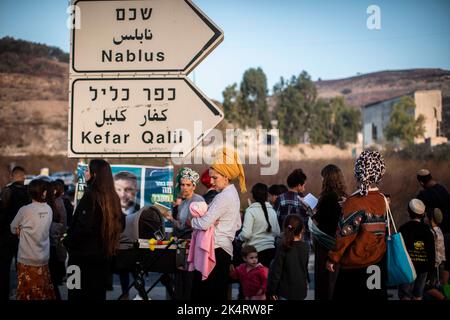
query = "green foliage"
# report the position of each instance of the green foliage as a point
(231, 101)
(36, 50)
(248, 105)
(347, 122)
(254, 95)
(402, 124)
(422, 152)
(294, 105)
(300, 113)
(21, 56)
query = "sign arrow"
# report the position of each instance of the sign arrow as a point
(152, 36)
(149, 117)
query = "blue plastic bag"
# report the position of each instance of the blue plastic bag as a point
(399, 265)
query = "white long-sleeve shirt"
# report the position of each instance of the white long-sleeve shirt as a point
(255, 225)
(34, 222)
(225, 210)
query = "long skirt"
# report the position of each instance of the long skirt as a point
(34, 283)
(94, 278)
(362, 283)
(324, 280)
(215, 288)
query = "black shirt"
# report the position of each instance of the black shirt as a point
(13, 197)
(84, 236)
(419, 242)
(437, 197)
(328, 213)
(288, 275)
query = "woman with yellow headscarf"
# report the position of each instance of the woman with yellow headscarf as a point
(224, 213)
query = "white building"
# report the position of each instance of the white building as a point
(377, 115)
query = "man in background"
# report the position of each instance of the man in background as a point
(12, 198)
(435, 195)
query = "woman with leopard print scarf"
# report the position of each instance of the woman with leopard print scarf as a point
(361, 236)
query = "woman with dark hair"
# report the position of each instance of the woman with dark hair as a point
(288, 275)
(361, 236)
(93, 236)
(260, 225)
(327, 217)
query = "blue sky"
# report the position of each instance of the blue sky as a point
(327, 38)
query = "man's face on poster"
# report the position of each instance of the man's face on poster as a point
(126, 189)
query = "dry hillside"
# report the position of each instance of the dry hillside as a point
(34, 96)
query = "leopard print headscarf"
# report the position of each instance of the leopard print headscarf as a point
(369, 169)
(186, 173)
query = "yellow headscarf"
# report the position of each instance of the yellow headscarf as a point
(228, 164)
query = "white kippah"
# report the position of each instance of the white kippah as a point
(417, 206)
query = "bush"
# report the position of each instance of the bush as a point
(423, 151)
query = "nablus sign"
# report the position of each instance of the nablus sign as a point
(129, 94)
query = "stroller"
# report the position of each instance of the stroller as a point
(143, 249)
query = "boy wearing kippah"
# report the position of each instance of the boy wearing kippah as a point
(434, 221)
(419, 242)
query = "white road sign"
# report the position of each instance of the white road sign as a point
(145, 36)
(120, 117)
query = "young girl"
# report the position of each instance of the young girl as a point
(32, 225)
(260, 225)
(251, 274)
(288, 276)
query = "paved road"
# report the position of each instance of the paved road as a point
(159, 292)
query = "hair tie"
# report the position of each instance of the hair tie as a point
(289, 226)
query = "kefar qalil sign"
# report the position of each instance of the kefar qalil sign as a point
(129, 94)
(160, 117)
(149, 36)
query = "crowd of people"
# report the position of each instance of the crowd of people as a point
(267, 249)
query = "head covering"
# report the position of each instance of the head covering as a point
(185, 173)
(437, 216)
(206, 179)
(369, 169)
(228, 164)
(423, 173)
(417, 206)
(198, 209)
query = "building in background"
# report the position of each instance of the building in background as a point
(428, 103)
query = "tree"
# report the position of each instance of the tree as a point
(254, 95)
(347, 122)
(334, 122)
(321, 125)
(231, 100)
(295, 110)
(290, 115)
(402, 124)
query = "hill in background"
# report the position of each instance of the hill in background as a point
(34, 82)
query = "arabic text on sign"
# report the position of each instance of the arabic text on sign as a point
(136, 36)
(110, 118)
